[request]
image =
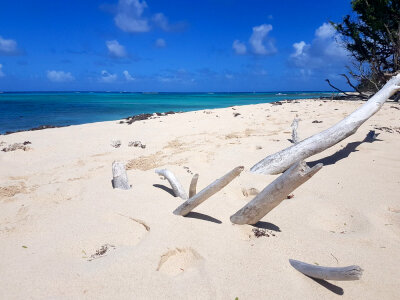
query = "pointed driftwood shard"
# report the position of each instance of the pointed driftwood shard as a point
(193, 185)
(177, 187)
(281, 161)
(274, 193)
(295, 124)
(120, 178)
(207, 192)
(328, 273)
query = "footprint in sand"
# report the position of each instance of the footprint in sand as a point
(178, 260)
(392, 217)
(340, 221)
(115, 229)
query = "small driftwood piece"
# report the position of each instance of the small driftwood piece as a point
(328, 273)
(274, 193)
(120, 178)
(193, 185)
(281, 161)
(207, 192)
(295, 124)
(177, 187)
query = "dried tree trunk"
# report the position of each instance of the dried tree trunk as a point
(274, 193)
(193, 185)
(120, 178)
(177, 187)
(207, 192)
(328, 273)
(281, 161)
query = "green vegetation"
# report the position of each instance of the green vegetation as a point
(372, 37)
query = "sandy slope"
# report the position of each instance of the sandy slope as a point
(58, 208)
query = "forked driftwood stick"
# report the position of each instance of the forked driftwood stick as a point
(193, 185)
(328, 273)
(177, 187)
(295, 124)
(281, 161)
(120, 178)
(274, 193)
(207, 192)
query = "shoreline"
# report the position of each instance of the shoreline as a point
(66, 232)
(144, 116)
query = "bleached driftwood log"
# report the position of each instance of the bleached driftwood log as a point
(274, 193)
(207, 192)
(120, 178)
(295, 124)
(177, 187)
(193, 185)
(281, 161)
(328, 273)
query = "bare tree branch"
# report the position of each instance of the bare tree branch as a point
(327, 80)
(354, 87)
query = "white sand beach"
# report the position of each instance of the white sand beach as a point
(58, 208)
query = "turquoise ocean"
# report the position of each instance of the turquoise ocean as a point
(22, 111)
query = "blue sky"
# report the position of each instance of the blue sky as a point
(175, 45)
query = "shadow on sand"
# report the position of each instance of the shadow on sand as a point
(333, 288)
(266, 225)
(163, 187)
(196, 215)
(345, 152)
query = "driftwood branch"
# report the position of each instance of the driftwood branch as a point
(120, 178)
(328, 273)
(295, 124)
(207, 192)
(281, 161)
(177, 187)
(193, 185)
(274, 193)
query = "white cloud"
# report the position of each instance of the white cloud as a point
(324, 51)
(160, 43)
(239, 47)
(128, 76)
(115, 49)
(325, 31)
(107, 77)
(129, 16)
(161, 21)
(59, 76)
(8, 47)
(299, 48)
(259, 41)
(1, 71)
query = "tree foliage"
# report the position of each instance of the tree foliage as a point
(372, 37)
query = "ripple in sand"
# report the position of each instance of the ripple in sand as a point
(12, 190)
